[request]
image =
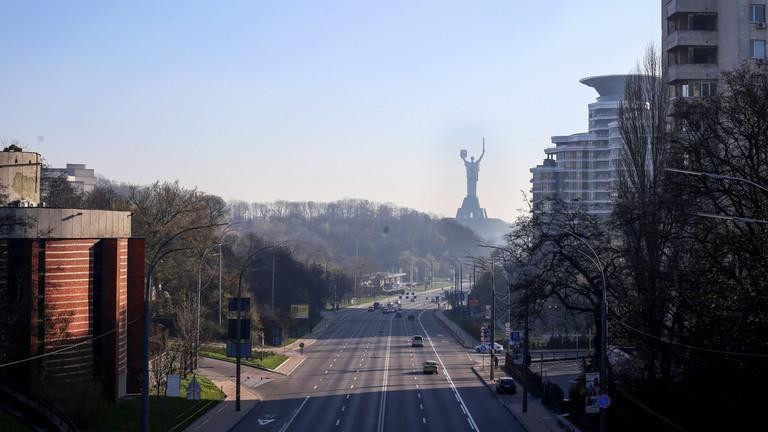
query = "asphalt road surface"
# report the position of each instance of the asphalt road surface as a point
(363, 375)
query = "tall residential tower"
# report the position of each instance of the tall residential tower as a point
(703, 38)
(584, 167)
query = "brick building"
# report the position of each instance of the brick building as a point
(71, 288)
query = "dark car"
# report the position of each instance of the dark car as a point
(506, 385)
(411, 318)
(398, 315)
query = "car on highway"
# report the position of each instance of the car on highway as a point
(486, 347)
(411, 318)
(398, 315)
(370, 309)
(417, 341)
(506, 385)
(430, 367)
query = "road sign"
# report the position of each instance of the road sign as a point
(243, 347)
(603, 401)
(300, 311)
(193, 389)
(245, 329)
(245, 304)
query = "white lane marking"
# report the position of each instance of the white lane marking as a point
(297, 365)
(471, 420)
(383, 406)
(293, 417)
(424, 420)
(343, 407)
(347, 396)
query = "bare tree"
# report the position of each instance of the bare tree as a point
(645, 215)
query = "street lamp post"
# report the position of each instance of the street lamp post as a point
(157, 257)
(603, 327)
(493, 316)
(716, 176)
(251, 258)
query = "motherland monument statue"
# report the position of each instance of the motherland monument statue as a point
(470, 207)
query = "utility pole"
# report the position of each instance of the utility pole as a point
(219, 285)
(355, 283)
(273, 282)
(461, 282)
(493, 316)
(525, 353)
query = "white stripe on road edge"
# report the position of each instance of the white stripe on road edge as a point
(471, 420)
(383, 405)
(293, 417)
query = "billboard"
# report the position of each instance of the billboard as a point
(592, 386)
(300, 311)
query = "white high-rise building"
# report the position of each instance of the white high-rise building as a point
(583, 167)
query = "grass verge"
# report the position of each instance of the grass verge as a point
(166, 414)
(8, 423)
(260, 359)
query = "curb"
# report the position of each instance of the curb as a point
(507, 407)
(247, 365)
(488, 386)
(234, 426)
(454, 333)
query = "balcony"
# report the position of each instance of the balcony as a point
(693, 71)
(691, 38)
(676, 6)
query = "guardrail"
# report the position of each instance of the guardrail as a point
(559, 355)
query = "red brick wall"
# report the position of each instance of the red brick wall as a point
(68, 308)
(135, 311)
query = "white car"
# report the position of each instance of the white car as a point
(486, 347)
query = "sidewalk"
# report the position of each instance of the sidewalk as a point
(223, 416)
(538, 418)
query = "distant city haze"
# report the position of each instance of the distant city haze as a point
(312, 100)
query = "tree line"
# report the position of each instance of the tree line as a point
(683, 257)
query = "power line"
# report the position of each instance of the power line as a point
(692, 347)
(67, 348)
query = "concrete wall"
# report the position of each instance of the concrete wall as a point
(20, 174)
(63, 223)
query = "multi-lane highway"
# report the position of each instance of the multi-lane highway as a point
(363, 375)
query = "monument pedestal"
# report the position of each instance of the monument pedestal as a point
(470, 209)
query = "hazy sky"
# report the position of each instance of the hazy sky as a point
(312, 100)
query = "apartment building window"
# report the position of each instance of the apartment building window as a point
(700, 55)
(757, 13)
(708, 89)
(685, 90)
(692, 21)
(757, 49)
